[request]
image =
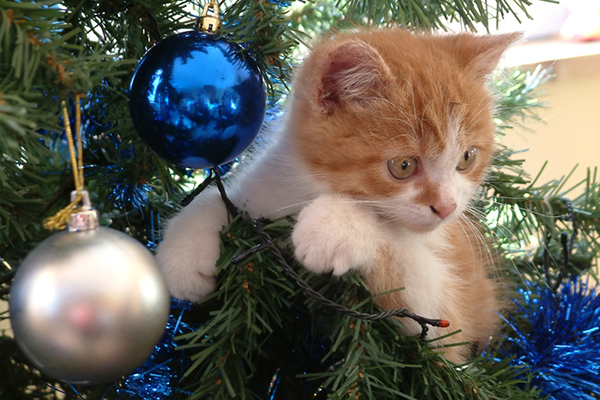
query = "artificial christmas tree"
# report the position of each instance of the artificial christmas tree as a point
(260, 335)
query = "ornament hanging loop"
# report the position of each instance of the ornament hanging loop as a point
(85, 217)
(208, 23)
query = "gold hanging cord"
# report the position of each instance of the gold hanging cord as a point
(59, 221)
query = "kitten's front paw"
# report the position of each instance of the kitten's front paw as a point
(191, 247)
(334, 234)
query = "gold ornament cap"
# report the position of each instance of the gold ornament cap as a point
(85, 218)
(209, 23)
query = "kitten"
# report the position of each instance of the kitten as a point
(388, 137)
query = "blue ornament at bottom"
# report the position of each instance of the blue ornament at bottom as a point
(196, 100)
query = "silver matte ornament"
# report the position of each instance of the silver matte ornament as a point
(88, 305)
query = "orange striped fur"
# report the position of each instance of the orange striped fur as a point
(364, 98)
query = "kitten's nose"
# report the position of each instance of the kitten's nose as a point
(443, 210)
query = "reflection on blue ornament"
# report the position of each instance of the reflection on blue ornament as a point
(562, 345)
(196, 100)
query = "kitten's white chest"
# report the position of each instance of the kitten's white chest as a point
(424, 273)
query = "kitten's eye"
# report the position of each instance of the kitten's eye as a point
(402, 168)
(467, 159)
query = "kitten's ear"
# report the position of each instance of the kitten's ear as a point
(482, 53)
(353, 72)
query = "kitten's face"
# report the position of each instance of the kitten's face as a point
(400, 121)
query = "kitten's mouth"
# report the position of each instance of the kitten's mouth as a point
(427, 226)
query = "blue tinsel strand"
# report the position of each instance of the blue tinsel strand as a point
(156, 378)
(562, 345)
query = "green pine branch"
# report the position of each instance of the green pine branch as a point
(259, 324)
(414, 14)
(50, 50)
(527, 217)
(370, 358)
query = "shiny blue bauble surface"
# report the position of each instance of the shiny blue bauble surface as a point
(196, 100)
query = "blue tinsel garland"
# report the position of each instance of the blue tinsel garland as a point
(562, 345)
(157, 378)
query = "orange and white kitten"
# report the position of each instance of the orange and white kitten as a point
(387, 139)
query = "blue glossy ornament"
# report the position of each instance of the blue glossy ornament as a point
(196, 100)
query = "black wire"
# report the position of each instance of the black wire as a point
(154, 30)
(188, 199)
(567, 247)
(213, 177)
(567, 244)
(573, 219)
(267, 242)
(233, 210)
(402, 313)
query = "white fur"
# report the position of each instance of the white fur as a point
(191, 247)
(273, 185)
(334, 234)
(424, 273)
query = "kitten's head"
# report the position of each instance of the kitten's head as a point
(402, 121)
